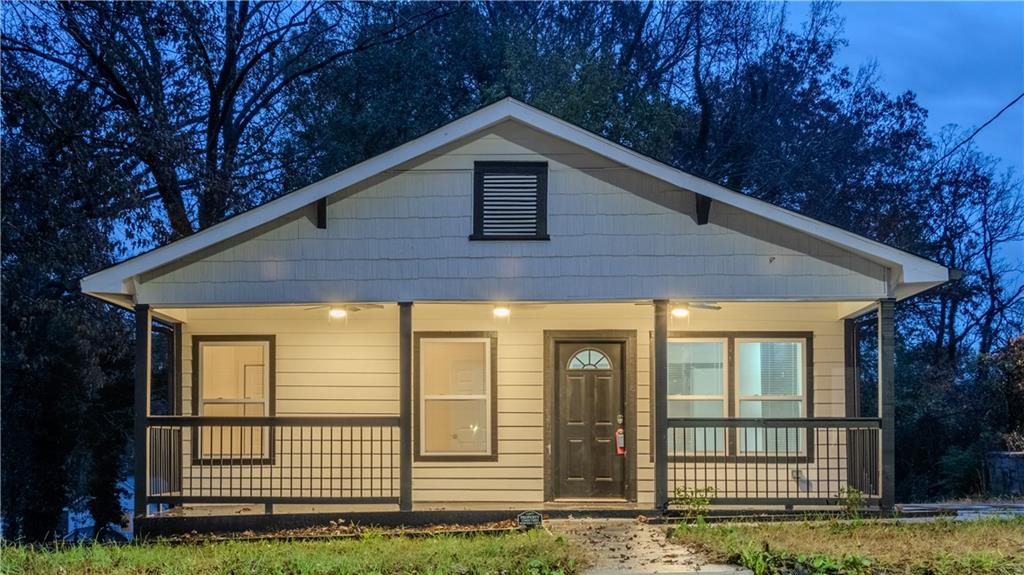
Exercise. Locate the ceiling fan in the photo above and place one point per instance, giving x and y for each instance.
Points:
(703, 305)
(682, 309)
(504, 310)
(342, 311)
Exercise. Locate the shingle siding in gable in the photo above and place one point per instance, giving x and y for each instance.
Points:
(406, 238)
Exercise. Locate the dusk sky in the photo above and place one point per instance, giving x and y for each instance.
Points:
(964, 60)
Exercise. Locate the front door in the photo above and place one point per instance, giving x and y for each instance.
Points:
(590, 406)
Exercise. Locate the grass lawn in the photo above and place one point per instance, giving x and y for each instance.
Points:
(535, 552)
(942, 547)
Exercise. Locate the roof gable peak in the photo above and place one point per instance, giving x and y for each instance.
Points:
(117, 279)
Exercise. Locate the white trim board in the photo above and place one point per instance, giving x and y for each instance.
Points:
(911, 274)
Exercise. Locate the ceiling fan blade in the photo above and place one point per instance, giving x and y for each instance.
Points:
(705, 305)
(314, 307)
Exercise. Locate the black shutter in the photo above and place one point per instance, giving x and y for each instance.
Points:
(510, 201)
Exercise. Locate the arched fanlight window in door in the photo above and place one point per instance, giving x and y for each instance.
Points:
(589, 358)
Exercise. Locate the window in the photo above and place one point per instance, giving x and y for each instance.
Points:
(456, 383)
(745, 375)
(770, 375)
(510, 201)
(233, 377)
(771, 385)
(589, 359)
(696, 389)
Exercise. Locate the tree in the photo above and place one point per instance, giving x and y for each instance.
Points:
(193, 90)
(66, 362)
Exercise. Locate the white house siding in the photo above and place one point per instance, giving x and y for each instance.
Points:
(615, 235)
(351, 368)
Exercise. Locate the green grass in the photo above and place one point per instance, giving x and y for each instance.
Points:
(942, 547)
(535, 552)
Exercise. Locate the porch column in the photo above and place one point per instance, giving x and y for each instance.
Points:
(660, 414)
(405, 400)
(887, 399)
(143, 371)
(850, 349)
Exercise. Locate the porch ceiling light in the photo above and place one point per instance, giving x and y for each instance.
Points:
(501, 311)
(680, 311)
(337, 313)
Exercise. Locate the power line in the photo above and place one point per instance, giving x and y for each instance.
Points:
(973, 134)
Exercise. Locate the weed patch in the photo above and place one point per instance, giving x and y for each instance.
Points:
(531, 553)
(865, 547)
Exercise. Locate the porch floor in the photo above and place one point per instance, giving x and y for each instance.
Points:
(210, 518)
(344, 509)
(556, 507)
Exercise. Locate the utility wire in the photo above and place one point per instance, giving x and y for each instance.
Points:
(973, 134)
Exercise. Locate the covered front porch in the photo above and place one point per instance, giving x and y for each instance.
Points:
(339, 414)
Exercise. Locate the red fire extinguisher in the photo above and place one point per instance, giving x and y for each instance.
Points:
(620, 442)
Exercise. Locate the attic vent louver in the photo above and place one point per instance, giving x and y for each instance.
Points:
(510, 201)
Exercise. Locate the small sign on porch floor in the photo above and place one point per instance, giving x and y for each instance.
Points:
(530, 519)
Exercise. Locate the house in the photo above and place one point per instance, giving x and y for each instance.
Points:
(511, 312)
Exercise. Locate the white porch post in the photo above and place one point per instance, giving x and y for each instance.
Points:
(887, 399)
(660, 403)
(143, 372)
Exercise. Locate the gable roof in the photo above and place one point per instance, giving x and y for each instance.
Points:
(912, 273)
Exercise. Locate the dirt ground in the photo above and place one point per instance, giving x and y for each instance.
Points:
(632, 546)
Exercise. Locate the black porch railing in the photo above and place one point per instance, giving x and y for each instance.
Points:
(273, 460)
(808, 461)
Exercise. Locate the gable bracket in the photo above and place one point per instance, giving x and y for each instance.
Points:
(703, 209)
(321, 213)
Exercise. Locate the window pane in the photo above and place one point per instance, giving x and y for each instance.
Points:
(695, 368)
(589, 359)
(455, 426)
(696, 441)
(770, 368)
(233, 371)
(695, 408)
(233, 441)
(774, 408)
(453, 367)
(782, 440)
(224, 409)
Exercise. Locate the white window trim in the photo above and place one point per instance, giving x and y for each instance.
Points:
(265, 402)
(802, 397)
(486, 395)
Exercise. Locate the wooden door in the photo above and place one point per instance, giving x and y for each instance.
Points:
(590, 407)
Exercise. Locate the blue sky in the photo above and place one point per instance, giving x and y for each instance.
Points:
(964, 60)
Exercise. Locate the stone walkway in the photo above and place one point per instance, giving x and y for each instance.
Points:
(626, 546)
